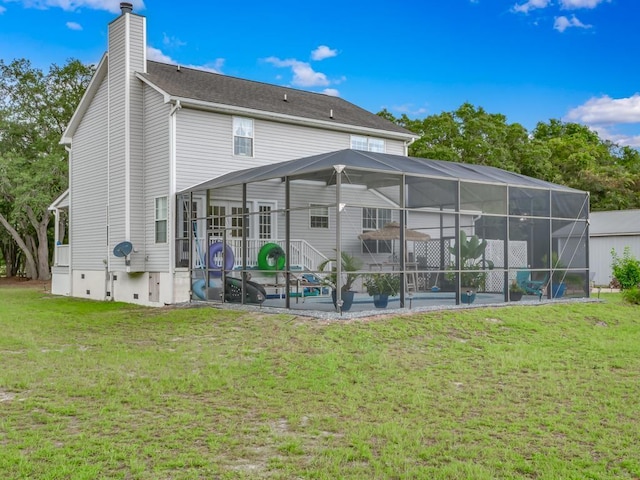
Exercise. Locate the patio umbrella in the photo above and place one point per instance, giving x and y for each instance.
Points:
(391, 231)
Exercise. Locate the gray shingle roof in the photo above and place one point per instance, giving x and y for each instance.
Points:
(373, 167)
(222, 89)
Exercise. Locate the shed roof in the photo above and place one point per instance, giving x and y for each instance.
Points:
(615, 222)
(369, 168)
(214, 88)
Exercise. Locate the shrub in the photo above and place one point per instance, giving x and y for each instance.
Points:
(626, 269)
(632, 295)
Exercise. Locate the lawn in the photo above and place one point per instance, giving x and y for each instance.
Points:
(105, 390)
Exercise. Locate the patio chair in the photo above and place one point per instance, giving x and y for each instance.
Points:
(532, 287)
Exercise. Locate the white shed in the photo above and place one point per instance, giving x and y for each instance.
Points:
(612, 230)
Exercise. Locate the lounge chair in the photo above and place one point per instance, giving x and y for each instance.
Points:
(532, 287)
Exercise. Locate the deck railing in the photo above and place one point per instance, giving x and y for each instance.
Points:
(301, 253)
(61, 256)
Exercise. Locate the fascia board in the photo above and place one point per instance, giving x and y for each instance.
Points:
(167, 97)
(280, 117)
(56, 203)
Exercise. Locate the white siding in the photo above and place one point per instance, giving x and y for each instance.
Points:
(600, 254)
(117, 132)
(137, 211)
(126, 153)
(304, 194)
(204, 147)
(156, 174)
(88, 233)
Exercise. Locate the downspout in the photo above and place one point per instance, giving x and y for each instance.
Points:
(172, 200)
(406, 146)
(69, 151)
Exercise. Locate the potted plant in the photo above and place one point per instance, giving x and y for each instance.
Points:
(558, 276)
(380, 286)
(471, 258)
(515, 291)
(350, 267)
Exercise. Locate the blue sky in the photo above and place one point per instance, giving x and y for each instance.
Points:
(532, 60)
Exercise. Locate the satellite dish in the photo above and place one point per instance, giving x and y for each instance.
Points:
(122, 249)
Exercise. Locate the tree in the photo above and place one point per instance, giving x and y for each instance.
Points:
(35, 108)
(579, 158)
(561, 152)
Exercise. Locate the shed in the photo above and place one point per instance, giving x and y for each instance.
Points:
(612, 230)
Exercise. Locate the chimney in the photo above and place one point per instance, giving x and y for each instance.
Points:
(126, 7)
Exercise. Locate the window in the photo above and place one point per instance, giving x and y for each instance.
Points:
(161, 220)
(367, 143)
(318, 216)
(237, 221)
(264, 221)
(243, 137)
(374, 219)
(218, 220)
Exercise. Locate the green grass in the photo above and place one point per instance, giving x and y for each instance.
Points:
(105, 390)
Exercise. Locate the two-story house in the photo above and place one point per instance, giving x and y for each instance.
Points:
(145, 130)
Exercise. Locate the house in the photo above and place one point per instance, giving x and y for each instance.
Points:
(145, 131)
(187, 185)
(612, 230)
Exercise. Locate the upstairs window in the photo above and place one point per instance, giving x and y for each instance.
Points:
(243, 137)
(367, 144)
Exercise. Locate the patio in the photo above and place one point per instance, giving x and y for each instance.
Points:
(275, 232)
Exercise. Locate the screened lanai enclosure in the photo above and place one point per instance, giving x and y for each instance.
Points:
(409, 232)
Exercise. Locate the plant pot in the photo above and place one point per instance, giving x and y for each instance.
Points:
(515, 296)
(467, 298)
(381, 301)
(557, 290)
(347, 299)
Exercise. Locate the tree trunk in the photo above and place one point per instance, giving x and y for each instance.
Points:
(30, 261)
(42, 247)
(10, 259)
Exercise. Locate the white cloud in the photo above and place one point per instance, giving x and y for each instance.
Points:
(562, 23)
(617, 138)
(303, 74)
(331, 92)
(606, 111)
(71, 5)
(2, 9)
(157, 56)
(214, 67)
(576, 4)
(172, 42)
(323, 52)
(530, 5)
(74, 26)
